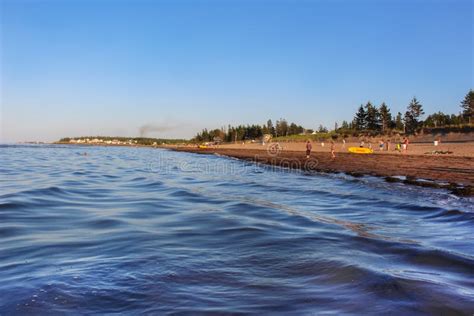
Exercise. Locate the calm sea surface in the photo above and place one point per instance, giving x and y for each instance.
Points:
(146, 231)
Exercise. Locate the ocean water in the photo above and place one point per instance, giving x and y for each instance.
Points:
(87, 230)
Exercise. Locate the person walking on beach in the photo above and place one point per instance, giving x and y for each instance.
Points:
(308, 148)
(333, 149)
(405, 144)
(381, 143)
(343, 143)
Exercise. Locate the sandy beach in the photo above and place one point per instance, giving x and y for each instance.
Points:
(459, 148)
(413, 167)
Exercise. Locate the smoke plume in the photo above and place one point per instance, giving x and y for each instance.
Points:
(147, 129)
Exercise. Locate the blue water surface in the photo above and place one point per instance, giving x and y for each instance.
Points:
(87, 230)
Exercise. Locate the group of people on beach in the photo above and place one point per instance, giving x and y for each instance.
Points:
(401, 146)
(384, 145)
(309, 147)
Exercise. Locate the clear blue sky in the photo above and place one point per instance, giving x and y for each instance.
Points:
(107, 67)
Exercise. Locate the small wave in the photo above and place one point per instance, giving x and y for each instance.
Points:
(11, 231)
(52, 190)
(453, 216)
(144, 184)
(185, 194)
(102, 223)
(13, 206)
(80, 173)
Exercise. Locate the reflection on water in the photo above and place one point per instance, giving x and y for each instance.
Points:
(135, 230)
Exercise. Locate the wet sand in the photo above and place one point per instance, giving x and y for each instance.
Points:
(448, 171)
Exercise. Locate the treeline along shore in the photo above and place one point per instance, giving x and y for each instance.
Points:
(368, 121)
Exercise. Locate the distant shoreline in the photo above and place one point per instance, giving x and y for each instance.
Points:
(111, 145)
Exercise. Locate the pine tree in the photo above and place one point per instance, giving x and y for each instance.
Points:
(385, 117)
(281, 127)
(265, 129)
(293, 129)
(467, 106)
(412, 116)
(360, 119)
(399, 122)
(409, 122)
(271, 128)
(373, 120)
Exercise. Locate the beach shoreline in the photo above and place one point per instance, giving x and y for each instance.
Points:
(454, 173)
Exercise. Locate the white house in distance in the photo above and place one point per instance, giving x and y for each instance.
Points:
(102, 141)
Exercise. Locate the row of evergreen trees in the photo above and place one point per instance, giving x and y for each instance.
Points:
(244, 132)
(373, 119)
(368, 118)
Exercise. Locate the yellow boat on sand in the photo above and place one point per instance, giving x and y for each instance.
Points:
(360, 150)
